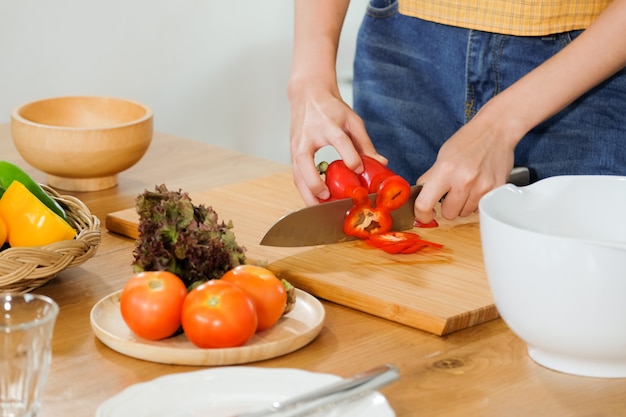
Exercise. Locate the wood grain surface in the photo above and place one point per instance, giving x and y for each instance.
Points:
(439, 291)
(481, 371)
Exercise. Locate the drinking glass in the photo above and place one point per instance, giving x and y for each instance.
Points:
(26, 327)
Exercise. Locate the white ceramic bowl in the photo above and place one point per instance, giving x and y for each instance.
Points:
(555, 256)
(82, 142)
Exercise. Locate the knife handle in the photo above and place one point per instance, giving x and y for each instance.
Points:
(520, 176)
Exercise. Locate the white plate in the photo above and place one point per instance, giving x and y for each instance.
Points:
(292, 332)
(222, 392)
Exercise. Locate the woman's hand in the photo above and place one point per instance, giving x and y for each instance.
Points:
(480, 155)
(318, 119)
(319, 116)
(476, 159)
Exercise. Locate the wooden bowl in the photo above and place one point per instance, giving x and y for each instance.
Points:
(82, 143)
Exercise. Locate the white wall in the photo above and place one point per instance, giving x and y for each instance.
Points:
(213, 71)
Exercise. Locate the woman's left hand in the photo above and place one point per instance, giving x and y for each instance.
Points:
(476, 159)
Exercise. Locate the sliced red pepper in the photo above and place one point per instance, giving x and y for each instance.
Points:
(430, 224)
(393, 192)
(373, 173)
(400, 248)
(365, 219)
(392, 247)
(414, 248)
(400, 242)
(362, 219)
(389, 238)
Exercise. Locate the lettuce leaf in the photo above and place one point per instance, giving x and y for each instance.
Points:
(187, 240)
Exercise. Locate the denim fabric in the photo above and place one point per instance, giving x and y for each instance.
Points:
(418, 82)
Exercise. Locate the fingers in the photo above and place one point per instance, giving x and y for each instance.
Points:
(309, 183)
(429, 196)
(362, 142)
(454, 203)
(345, 132)
(459, 195)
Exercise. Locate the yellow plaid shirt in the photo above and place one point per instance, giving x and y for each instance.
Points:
(511, 17)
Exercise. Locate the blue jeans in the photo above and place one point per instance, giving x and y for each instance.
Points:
(417, 82)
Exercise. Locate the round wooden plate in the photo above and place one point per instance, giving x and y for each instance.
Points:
(292, 332)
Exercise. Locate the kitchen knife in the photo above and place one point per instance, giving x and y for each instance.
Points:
(326, 397)
(322, 224)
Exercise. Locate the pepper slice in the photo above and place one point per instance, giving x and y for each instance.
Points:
(393, 192)
(400, 242)
(363, 219)
(429, 225)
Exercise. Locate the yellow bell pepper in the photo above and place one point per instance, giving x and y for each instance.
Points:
(10, 172)
(3, 232)
(30, 222)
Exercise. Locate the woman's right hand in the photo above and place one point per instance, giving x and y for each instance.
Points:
(321, 118)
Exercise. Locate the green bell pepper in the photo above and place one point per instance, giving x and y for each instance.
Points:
(10, 172)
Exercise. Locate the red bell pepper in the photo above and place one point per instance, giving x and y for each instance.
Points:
(393, 192)
(374, 173)
(400, 242)
(430, 224)
(368, 221)
(363, 219)
(340, 180)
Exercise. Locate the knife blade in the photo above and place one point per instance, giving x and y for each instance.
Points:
(322, 224)
(326, 397)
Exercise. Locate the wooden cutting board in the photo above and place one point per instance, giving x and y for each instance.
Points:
(438, 291)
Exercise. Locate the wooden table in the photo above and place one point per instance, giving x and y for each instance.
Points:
(481, 371)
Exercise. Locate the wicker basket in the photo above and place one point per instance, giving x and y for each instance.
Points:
(23, 269)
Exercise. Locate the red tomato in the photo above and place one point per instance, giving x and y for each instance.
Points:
(265, 289)
(151, 304)
(219, 314)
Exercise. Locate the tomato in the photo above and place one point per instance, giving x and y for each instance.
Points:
(393, 192)
(219, 314)
(30, 222)
(373, 173)
(266, 290)
(151, 304)
(340, 180)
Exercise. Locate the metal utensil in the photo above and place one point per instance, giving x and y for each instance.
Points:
(322, 224)
(346, 390)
